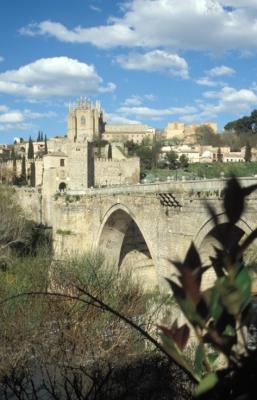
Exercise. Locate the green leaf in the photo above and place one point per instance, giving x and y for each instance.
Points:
(229, 331)
(172, 349)
(243, 281)
(206, 384)
(231, 295)
(199, 356)
(186, 306)
(212, 357)
(212, 298)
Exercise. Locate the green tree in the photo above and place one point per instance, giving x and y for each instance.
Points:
(38, 136)
(248, 152)
(183, 160)
(156, 148)
(109, 152)
(219, 155)
(46, 148)
(101, 125)
(172, 159)
(30, 149)
(146, 157)
(32, 174)
(246, 124)
(23, 171)
(131, 147)
(205, 136)
(13, 153)
(14, 171)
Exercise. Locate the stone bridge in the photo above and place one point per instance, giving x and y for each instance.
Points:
(142, 227)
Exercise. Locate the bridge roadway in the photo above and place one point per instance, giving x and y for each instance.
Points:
(142, 227)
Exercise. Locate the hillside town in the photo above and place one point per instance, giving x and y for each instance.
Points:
(103, 153)
(128, 200)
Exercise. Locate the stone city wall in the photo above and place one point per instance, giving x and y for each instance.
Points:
(29, 200)
(117, 172)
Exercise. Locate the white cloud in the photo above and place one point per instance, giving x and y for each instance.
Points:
(29, 114)
(19, 119)
(57, 76)
(150, 97)
(3, 108)
(21, 126)
(232, 100)
(109, 88)
(207, 25)
(213, 73)
(132, 101)
(11, 117)
(222, 70)
(228, 100)
(95, 8)
(118, 119)
(156, 60)
(239, 3)
(206, 81)
(137, 100)
(152, 113)
(100, 36)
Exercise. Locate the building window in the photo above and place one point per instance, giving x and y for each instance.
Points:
(62, 162)
(83, 120)
(62, 187)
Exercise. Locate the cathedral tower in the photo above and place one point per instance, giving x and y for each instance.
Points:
(83, 121)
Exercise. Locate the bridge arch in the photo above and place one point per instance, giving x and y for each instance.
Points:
(205, 240)
(122, 240)
(208, 225)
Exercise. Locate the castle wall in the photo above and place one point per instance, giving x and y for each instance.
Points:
(39, 172)
(29, 200)
(117, 172)
(78, 166)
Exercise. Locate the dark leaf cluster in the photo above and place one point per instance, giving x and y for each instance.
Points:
(219, 315)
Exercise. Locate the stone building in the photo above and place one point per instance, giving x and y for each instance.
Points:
(123, 133)
(185, 132)
(73, 162)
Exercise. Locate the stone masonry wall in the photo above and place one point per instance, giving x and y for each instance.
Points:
(29, 200)
(116, 172)
(169, 216)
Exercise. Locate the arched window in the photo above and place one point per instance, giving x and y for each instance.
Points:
(83, 120)
(62, 187)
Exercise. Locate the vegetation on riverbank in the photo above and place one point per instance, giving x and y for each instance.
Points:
(77, 328)
(203, 170)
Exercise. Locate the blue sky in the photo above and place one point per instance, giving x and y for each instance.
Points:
(147, 61)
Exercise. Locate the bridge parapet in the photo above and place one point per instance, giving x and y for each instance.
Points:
(205, 185)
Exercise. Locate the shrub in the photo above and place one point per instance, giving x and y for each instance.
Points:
(219, 315)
